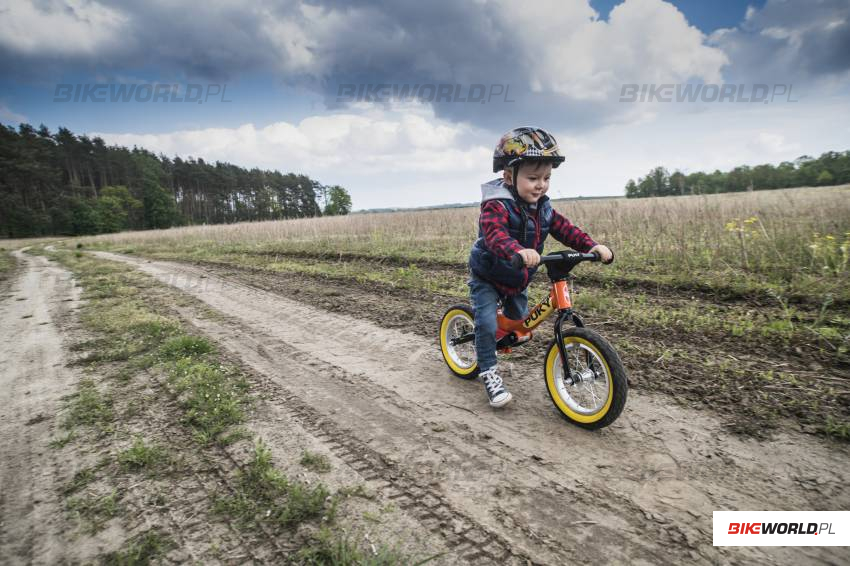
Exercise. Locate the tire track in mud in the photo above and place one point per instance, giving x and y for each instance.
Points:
(521, 477)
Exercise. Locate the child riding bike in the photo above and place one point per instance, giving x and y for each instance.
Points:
(515, 219)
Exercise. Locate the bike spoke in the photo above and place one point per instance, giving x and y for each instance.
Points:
(589, 391)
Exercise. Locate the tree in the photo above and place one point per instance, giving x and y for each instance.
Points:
(339, 201)
(114, 207)
(825, 178)
(84, 217)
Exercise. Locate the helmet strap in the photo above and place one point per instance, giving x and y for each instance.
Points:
(512, 186)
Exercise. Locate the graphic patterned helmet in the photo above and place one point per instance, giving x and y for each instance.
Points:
(526, 144)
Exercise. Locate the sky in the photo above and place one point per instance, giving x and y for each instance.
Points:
(402, 101)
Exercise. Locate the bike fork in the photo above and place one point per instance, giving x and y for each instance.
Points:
(559, 339)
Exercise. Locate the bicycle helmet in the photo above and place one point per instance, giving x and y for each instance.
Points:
(526, 144)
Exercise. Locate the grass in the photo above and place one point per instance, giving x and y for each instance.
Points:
(265, 495)
(141, 549)
(63, 440)
(7, 263)
(316, 462)
(81, 479)
(185, 346)
(142, 456)
(794, 241)
(94, 511)
(330, 548)
(781, 325)
(88, 406)
(213, 397)
(128, 329)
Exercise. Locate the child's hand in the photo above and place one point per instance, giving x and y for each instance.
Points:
(605, 254)
(530, 257)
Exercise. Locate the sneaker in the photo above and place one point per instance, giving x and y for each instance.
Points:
(499, 396)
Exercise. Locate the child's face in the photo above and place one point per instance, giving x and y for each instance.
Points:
(532, 180)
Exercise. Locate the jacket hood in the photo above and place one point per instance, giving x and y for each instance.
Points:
(497, 189)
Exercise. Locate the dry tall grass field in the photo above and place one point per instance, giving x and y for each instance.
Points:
(793, 241)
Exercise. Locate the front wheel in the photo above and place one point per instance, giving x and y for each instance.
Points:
(595, 393)
(457, 341)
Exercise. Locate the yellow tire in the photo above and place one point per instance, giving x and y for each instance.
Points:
(457, 342)
(595, 393)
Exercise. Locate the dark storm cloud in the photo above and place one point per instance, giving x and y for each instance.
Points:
(786, 41)
(329, 43)
(410, 43)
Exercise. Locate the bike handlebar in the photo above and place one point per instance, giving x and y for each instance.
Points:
(573, 258)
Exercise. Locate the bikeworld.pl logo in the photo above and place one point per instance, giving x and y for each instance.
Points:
(708, 92)
(781, 528)
(141, 92)
(426, 92)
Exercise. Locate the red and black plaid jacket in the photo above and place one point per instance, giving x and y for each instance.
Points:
(494, 225)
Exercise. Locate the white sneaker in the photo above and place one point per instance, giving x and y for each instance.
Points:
(496, 392)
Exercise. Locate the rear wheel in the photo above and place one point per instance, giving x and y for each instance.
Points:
(594, 394)
(457, 341)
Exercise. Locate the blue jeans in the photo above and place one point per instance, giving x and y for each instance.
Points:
(485, 300)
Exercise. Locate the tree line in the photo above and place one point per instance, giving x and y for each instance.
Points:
(831, 168)
(64, 184)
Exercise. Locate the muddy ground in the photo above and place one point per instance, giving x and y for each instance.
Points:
(353, 374)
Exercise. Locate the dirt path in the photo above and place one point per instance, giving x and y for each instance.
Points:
(520, 482)
(33, 378)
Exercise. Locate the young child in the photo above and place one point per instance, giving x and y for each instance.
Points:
(516, 217)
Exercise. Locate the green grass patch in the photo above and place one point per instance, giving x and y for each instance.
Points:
(264, 495)
(186, 346)
(213, 396)
(142, 456)
(141, 549)
(331, 548)
(89, 407)
(316, 462)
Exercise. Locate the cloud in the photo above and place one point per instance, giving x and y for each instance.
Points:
(564, 67)
(772, 143)
(790, 40)
(584, 58)
(406, 139)
(407, 156)
(8, 116)
(60, 28)
(562, 63)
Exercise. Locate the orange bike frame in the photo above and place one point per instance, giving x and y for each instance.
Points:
(558, 299)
